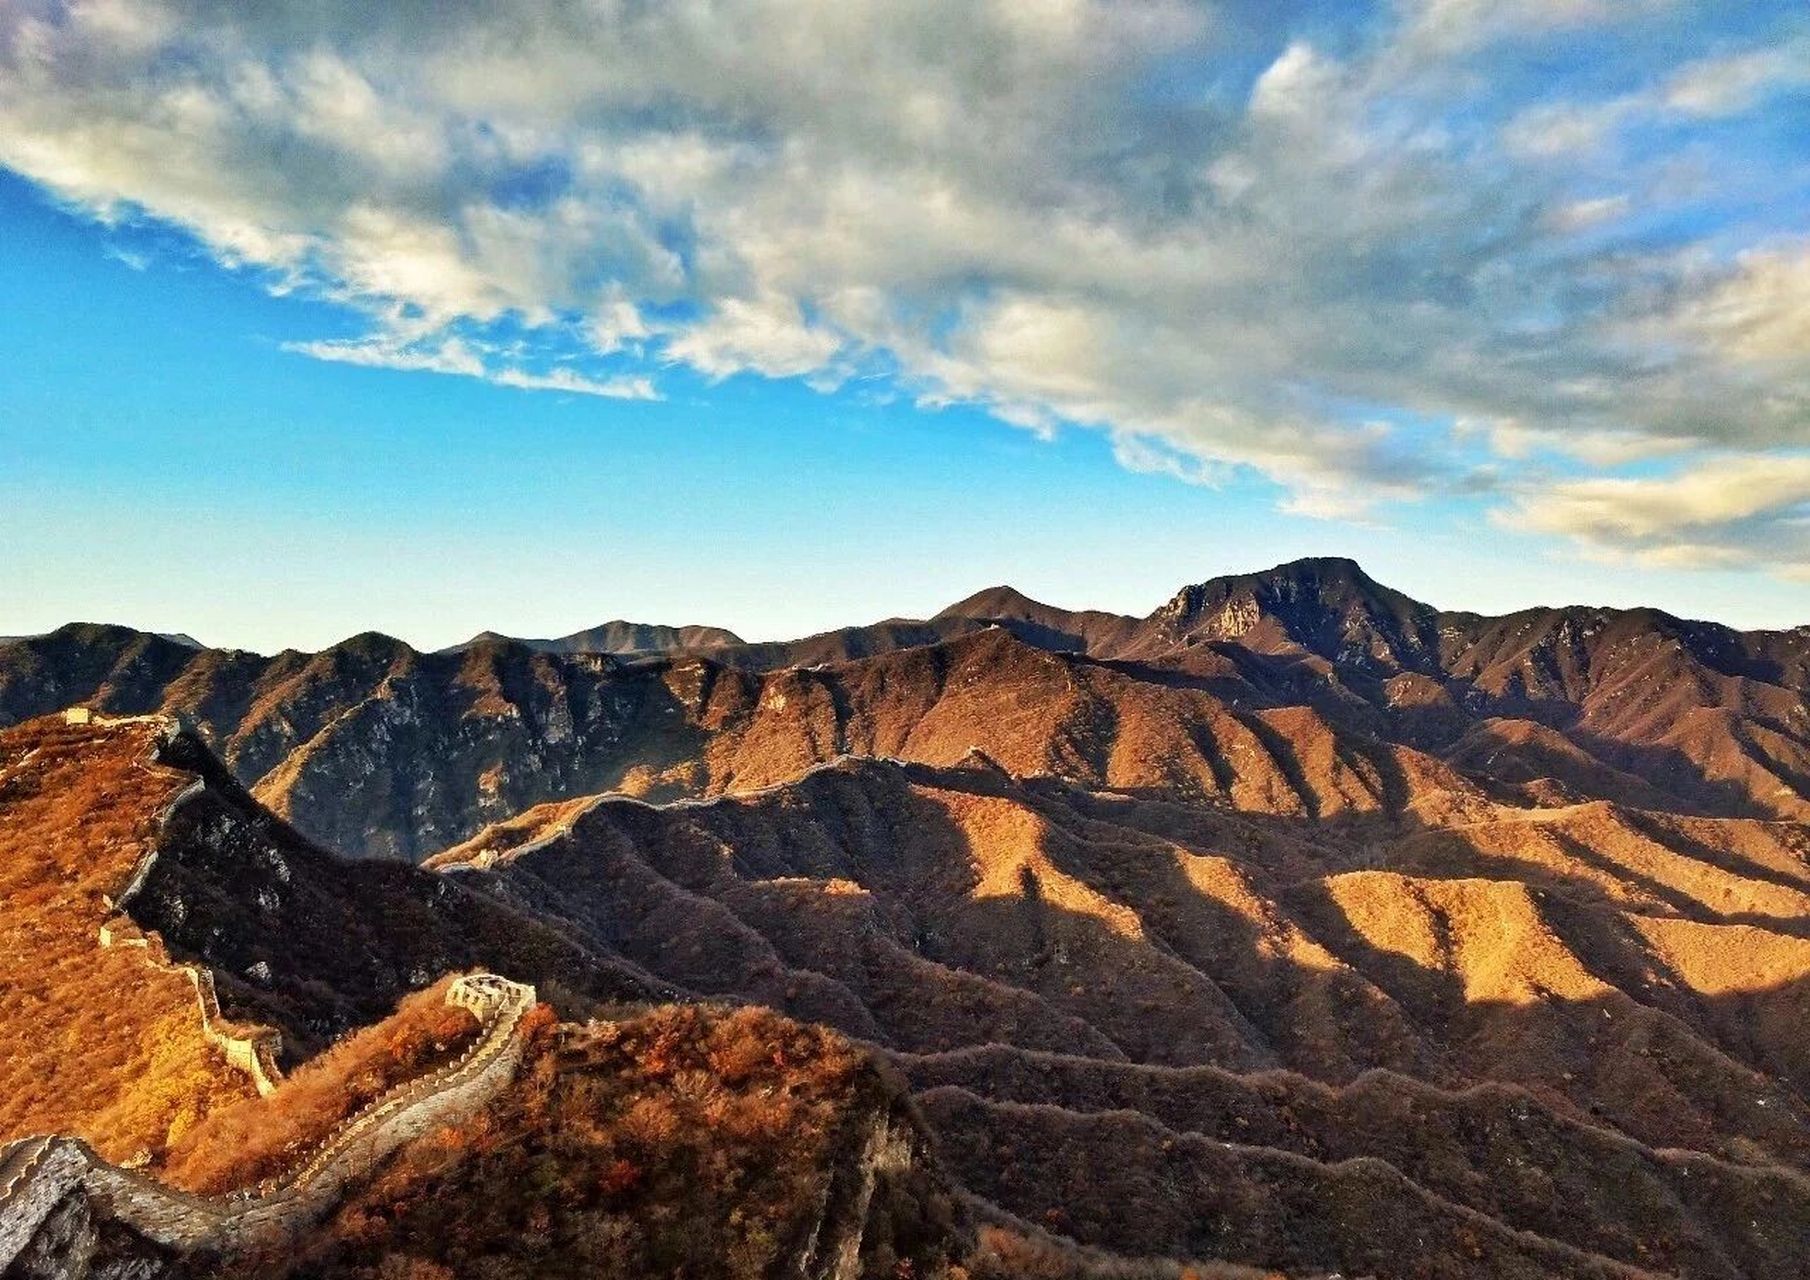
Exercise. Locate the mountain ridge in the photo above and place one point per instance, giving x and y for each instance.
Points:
(616, 636)
(1241, 688)
(999, 603)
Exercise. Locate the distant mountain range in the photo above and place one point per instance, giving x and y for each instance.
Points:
(376, 748)
(615, 637)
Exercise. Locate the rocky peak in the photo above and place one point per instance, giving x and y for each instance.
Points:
(1326, 605)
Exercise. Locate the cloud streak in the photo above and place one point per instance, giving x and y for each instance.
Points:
(1728, 512)
(440, 354)
(1356, 261)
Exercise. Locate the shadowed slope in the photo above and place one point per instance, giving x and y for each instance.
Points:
(1175, 935)
(1098, 989)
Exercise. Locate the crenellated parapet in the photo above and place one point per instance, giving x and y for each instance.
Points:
(38, 1174)
(254, 1051)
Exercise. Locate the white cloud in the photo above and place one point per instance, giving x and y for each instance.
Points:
(1723, 86)
(1515, 440)
(1566, 128)
(621, 388)
(1758, 313)
(1581, 215)
(1298, 84)
(448, 355)
(769, 336)
(1450, 26)
(440, 354)
(1722, 512)
(1070, 213)
(1710, 87)
(616, 322)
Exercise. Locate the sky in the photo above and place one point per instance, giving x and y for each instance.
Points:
(781, 315)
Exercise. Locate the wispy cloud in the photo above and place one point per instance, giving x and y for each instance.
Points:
(1707, 89)
(619, 388)
(1237, 240)
(457, 356)
(1720, 512)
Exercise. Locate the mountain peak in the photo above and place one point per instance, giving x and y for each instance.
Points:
(1002, 601)
(1321, 572)
(1044, 625)
(1327, 605)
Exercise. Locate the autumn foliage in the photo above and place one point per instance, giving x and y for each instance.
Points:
(259, 1138)
(103, 1043)
(686, 1141)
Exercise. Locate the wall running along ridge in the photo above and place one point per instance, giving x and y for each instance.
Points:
(37, 1174)
(256, 1050)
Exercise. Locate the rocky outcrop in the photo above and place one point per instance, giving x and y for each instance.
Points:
(833, 1251)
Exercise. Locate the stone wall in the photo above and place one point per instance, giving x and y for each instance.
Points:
(35, 1175)
(39, 1173)
(256, 1052)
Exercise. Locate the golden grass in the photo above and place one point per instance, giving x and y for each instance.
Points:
(96, 1042)
(257, 1138)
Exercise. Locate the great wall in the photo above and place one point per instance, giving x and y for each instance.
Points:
(63, 1205)
(255, 1051)
(39, 1174)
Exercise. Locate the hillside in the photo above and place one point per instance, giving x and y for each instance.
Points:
(103, 1040)
(1095, 979)
(654, 1136)
(671, 1141)
(1305, 689)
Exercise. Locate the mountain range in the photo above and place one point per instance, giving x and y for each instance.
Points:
(1306, 689)
(1299, 926)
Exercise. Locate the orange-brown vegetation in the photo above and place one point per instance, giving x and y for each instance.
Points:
(958, 907)
(1298, 925)
(259, 1138)
(1307, 691)
(685, 1141)
(103, 1043)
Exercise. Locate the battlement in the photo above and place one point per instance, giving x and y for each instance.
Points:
(37, 1174)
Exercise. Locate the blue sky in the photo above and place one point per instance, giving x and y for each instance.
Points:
(548, 313)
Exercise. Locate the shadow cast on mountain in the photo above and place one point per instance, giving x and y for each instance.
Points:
(934, 910)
